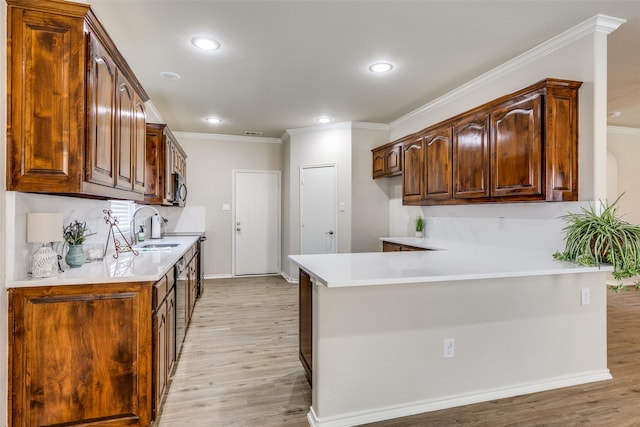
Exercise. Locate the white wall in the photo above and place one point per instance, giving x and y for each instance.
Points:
(574, 55)
(624, 146)
(210, 162)
(370, 197)
(330, 144)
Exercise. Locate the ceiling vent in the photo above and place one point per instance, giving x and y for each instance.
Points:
(251, 133)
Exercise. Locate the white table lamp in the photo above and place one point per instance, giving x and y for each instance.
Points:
(44, 228)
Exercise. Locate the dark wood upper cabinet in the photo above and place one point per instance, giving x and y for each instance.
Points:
(520, 147)
(471, 157)
(438, 164)
(101, 87)
(46, 93)
(387, 160)
(76, 107)
(413, 174)
(125, 128)
(561, 141)
(516, 147)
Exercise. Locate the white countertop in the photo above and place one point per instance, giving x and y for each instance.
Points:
(448, 261)
(146, 266)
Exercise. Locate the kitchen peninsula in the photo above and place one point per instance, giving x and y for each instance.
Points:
(391, 334)
(97, 344)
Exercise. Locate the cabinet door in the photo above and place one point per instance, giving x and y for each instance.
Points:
(393, 160)
(378, 163)
(125, 128)
(171, 331)
(391, 247)
(45, 117)
(561, 141)
(193, 283)
(160, 372)
(306, 324)
(516, 148)
(139, 146)
(154, 172)
(413, 173)
(81, 355)
(471, 157)
(169, 152)
(101, 86)
(438, 168)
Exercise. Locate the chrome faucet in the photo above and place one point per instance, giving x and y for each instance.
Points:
(132, 228)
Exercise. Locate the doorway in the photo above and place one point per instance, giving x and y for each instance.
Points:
(318, 231)
(256, 223)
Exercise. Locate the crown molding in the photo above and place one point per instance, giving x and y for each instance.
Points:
(598, 23)
(622, 130)
(234, 138)
(342, 125)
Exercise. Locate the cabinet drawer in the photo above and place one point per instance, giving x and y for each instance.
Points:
(159, 292)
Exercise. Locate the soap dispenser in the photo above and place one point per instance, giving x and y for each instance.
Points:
(141, 234)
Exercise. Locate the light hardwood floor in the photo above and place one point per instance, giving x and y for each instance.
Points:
(239, 367)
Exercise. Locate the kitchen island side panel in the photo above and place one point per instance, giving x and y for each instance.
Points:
(378, 350)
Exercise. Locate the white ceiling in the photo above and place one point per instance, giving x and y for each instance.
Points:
(283, 63)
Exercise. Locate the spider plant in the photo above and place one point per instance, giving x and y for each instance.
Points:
(419, 224)
(594, 238)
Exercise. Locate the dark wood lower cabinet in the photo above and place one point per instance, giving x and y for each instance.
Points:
(397, 247)
(80, 355)
(306, 324)
(164, 338)
(88, 355)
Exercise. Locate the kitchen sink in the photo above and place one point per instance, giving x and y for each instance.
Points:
(156, 246)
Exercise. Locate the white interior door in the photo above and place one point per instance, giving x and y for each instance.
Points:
(318, 233)
(256, 225)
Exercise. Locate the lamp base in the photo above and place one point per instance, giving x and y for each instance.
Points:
(44, 262)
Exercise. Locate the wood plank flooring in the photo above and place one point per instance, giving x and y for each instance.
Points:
(239, 367)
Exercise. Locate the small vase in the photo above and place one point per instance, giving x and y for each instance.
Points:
(419, 234)
(75, 256)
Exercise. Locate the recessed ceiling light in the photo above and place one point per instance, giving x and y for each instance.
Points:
(170, 75)
(324, 119)
(380, 67)
(615, 114)
(213, 120)
(205, 43)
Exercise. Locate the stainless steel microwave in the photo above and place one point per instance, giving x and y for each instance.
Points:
(179, 190)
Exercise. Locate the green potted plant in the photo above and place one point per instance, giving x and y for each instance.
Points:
(593, 238)
(419, 227)
(74, 236)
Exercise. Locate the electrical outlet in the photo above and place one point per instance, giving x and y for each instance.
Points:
(449, 348)
(585, 296)
(501, 222)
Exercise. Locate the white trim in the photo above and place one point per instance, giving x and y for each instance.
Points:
(390, 412)
(624, 130)
(341, 125)
(150, 106)
(217, 276)
(288, 278)
(219, 136)
(602, 23)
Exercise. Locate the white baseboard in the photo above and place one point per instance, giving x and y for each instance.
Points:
(414, 408)
(288, 278)
(217, 276)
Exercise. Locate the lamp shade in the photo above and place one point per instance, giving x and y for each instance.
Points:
(44, 227)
